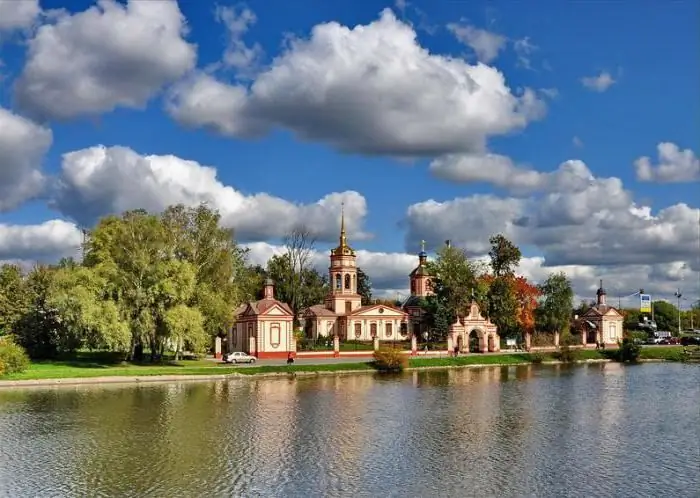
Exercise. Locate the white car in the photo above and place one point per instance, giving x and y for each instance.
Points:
(239, 357)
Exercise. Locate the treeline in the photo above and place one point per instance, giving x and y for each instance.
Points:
(515, 305)
(148, 284)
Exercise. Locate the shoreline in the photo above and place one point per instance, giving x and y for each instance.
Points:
(161, 379)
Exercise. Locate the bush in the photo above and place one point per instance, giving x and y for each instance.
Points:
(13, 358)
(390, 360)
(536, 357)
(629, 351)
(566, 353)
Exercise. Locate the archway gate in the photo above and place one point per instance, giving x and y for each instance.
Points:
(473, 333)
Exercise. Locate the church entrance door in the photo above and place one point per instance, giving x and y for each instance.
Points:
(474, 341)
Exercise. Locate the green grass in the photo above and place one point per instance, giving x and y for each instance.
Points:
(85, 366)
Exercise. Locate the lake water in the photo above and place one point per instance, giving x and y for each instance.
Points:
(598, 430)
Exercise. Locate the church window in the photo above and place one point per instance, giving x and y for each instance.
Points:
(354, 284)
(404, 329)
(429, 284)
(347, 282)
(413, 286)
(338, 281)
(250, 330)
(389, 330)
(373, 330)
(613, 331)
(358, 330)
(275, 335)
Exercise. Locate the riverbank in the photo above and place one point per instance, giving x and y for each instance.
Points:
(87, 372)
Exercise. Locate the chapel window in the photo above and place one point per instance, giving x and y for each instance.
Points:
(347, 282)
(338, 281)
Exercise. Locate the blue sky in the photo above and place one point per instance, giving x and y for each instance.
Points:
(648, 49)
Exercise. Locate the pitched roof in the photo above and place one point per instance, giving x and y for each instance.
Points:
(362, 309)
(261, 306)
(319, 310)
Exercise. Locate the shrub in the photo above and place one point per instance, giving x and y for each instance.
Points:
(629, 351)
(536, 357)
(566, 353)
(390, 360)
(13, 358)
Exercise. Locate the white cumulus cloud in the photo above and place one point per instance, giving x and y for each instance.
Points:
(675, 165)
(101, 180)
(599, 83)
(370, 89)
(107, 56)
(485, 44)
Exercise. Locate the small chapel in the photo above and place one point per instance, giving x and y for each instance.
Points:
(601, 323)
(342, 313)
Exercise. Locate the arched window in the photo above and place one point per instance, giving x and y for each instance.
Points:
(358, 330)
(373, 330)
(354, 284)
(338, 281)
(389, 331)
(275, 335)
(413, 286)
(347, 281)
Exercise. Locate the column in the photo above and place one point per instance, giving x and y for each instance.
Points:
(450, 344)
(528, 341)
(556, 339)
(217, 347)
(414, 345)
(376, 342)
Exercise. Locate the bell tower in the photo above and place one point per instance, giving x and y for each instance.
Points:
(420, 280)
(343, 297)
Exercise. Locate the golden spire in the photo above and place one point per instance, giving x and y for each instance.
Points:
(343, 237)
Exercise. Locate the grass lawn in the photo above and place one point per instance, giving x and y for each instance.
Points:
(85, 366)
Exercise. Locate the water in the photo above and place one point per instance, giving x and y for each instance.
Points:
(599, 430)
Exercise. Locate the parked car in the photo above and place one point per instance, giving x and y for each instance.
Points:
(690, 340)
(239, 357)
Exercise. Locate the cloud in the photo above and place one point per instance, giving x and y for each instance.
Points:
(101, 180)
(371, 89)
(599, 83)
(485, 44)
(500, 171)
(17, 15)
(577, 142)
(524, 49)
(107, 56)
(47, 242)
(594, 222)
(675, 165)
(238, 55)
(23, 145)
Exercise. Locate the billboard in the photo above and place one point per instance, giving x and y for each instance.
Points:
(645, 303)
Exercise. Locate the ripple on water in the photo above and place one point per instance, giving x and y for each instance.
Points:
(586, 431)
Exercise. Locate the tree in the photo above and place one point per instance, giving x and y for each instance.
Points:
(14, 300)
(665, 315)
(40, 330)
(505, 256)
(89, 317)
(455, 281)
(364, 287)
(526, 295)
(300, 245)
(556, 304)
(313, 287)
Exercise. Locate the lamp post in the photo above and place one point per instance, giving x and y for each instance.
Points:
(679, 295)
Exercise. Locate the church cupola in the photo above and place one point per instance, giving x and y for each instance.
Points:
(601, 294)
(343, 247)
(269, 290)
(420, 279)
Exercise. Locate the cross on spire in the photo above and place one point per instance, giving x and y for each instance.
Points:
(422, 246)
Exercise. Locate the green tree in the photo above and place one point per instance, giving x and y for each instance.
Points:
(14, 299)
(40, 330)
(313, 286)
(554, 311)
(364, 287)
(665, 316)
(505, 256)
(89, 317)
(299, 244)
(456, 281)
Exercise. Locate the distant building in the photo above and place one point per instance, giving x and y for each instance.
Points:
(601, 323)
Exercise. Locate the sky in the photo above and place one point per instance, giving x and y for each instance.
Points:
(572, 129)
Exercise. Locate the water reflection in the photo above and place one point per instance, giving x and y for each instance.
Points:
(596, 430)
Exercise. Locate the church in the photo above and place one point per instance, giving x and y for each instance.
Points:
(342, 313)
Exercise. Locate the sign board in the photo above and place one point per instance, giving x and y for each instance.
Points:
(511, 342)
(645, 303)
